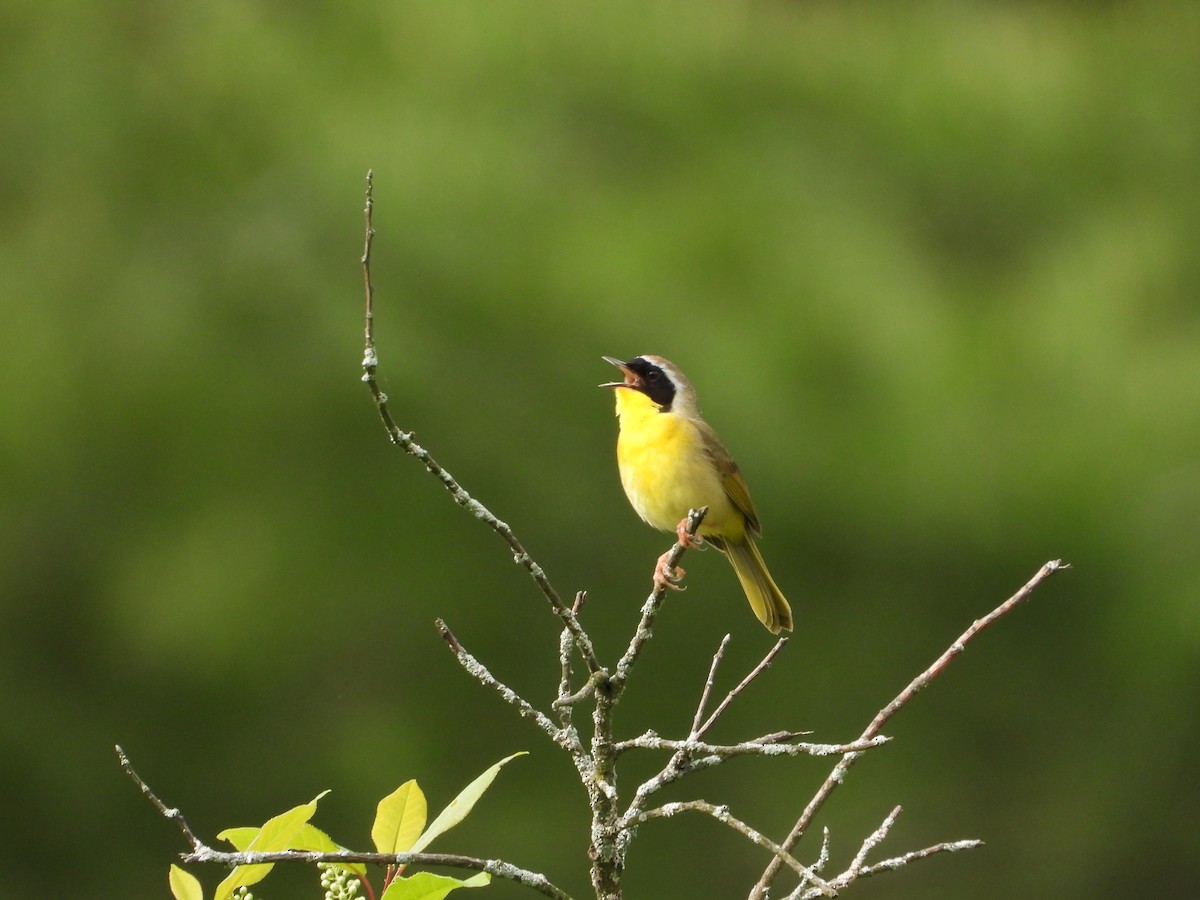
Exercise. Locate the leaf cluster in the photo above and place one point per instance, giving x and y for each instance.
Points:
(399, 828)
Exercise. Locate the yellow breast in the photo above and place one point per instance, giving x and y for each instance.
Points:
(666, 469)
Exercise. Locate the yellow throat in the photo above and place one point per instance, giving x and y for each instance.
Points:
(665, 468)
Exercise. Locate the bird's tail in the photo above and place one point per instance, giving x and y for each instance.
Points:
(764, 595)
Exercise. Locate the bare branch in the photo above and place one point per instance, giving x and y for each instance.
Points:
(873, 840)
(169, 812)
(565, 702)
(745, 682)
(404, 440)
(565, 644)
(708, 686)
(692, 755)
(896, 862)
(650, 608)
(887, 865)
(567, 738)
(768, 745)
(722, 815)
(695, 756)
(939, 665)
(820, 864)
(495, 867)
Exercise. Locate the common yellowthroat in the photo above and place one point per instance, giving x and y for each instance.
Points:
(671, 461)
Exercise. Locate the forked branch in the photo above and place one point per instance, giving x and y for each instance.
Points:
(938, 666)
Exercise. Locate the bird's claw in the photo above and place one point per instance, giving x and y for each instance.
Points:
(693, 541)
(668, 577)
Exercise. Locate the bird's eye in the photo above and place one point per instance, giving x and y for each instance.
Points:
(653, 375)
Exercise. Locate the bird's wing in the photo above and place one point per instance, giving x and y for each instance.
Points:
(731, 477)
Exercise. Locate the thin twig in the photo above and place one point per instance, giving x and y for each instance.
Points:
(168, 812)
(745, 682)
(939, 665)
(565, 644)
(566, 701)
(566, 698)
(695, 756)
(692, 755)
(566, 738)
(873, 840)
(760, 747)
(404, 440)
(495, 867)
(722, 815)
(708, 686)
(369, 360)
(650, 608)
(819, 865)
(887, 865)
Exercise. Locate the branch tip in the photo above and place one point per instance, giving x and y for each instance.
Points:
(448, 635)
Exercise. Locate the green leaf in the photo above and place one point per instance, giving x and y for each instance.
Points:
(313, 838)
(184, 885)
(310, 837)
(277, 833)
(239, 837)
(427, 886)
(399, 819)
(458, 808)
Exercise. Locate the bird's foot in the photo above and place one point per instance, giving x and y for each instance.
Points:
(667, 577)
(688, 539)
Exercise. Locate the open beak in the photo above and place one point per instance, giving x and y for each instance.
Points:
(630, 376)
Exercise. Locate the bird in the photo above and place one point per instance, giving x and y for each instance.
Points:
(671, 461)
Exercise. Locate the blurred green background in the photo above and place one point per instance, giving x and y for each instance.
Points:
(932, 267)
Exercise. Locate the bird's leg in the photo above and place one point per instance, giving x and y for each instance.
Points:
(687, 538)
(666, 577)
